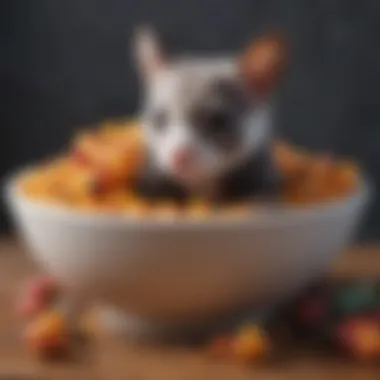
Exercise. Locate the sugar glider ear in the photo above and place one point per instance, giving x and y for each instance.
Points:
(148, 51)
(262, 64)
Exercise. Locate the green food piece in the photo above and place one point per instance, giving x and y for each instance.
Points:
(357, 298)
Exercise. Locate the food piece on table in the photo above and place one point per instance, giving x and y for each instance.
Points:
(360, 337)
(251, 344)
(48, 335)
(358, 297)
(312, 311)
(38, 295)
(309, 317)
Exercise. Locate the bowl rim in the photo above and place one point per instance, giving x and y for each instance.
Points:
(287, 214)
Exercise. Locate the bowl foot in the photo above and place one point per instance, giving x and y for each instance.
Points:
(134, 328)
(123, 325)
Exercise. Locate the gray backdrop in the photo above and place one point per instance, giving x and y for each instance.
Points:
(65, 63)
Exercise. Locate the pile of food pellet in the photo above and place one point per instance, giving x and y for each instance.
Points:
(342, 319)
(98, 172)
(50, 331)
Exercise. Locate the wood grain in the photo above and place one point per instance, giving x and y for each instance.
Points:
(111, 358)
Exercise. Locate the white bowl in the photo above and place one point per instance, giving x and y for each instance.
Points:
(186, 271)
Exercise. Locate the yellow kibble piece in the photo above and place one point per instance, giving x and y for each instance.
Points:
(48, 334)
(251, 344)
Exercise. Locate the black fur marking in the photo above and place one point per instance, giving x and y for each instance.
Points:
(154, 186)
(256, 179)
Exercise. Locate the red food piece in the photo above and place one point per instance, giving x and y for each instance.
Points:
(312, 311)
(101, 182)
(44, 287)
(360, 337)
(80, 157)
(39, 293)
(28, 308)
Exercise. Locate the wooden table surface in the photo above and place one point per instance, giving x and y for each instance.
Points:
(109, 358)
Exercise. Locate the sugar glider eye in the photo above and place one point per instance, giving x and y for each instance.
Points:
(217, 126)
(217, 121)
(159, 119)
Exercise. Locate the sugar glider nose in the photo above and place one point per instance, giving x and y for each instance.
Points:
(183, 159)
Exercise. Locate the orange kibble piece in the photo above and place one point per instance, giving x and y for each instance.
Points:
(317, 181)
(289, 161)
(367, 344)
(347, 178)
(251, 344)
(361, 338)
(312, 185)
(48, 334)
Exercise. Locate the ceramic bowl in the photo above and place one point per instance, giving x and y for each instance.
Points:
(174, 273)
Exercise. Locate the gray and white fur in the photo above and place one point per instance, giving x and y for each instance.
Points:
(208, 133)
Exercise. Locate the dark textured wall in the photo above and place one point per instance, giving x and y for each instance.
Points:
(65, 63)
